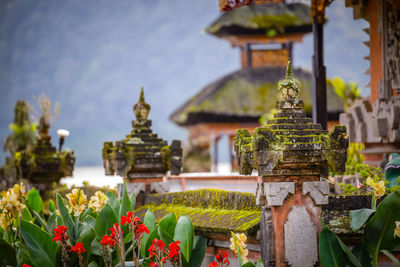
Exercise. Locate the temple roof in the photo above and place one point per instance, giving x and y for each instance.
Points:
(245, 95)
(265, 19)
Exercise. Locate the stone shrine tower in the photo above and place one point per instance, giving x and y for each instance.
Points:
(142, 158)
(291, 153)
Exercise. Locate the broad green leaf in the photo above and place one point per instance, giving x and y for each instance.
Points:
(198, 252)
(7, 254)
(51, 222)
(125, 203)
(91, 221)
(379, 231)
(391, 257)
(359, 217)
(361, 253)
(167, 228)
(248, 264)
(184, 232)
(26, 215)
(240, 260)
(41, 247)
(88, 212)
(86, 239)
(260, 263)
(23, 256)
(105, 221)
(113, 202)
(35, 202)
(93, 264)
(150, 221)
(333, 252)
(132, 198)
(66, 218)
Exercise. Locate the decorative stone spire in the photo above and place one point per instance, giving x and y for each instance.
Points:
(141, 108)
(289, 88)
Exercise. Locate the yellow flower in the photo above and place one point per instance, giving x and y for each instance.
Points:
(98, 201)
(397, 229)
(77, 201)
(239, 241)
(379, 189)
(369, 181)
(11, 205)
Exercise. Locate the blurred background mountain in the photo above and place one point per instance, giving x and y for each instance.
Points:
(92, 57)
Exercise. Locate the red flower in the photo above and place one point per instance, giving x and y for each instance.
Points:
(116, 227)
(25, 265)
(174, 250)
(213, 264)
(141, 229)
(221, 256)
(157, 248)
(107, 241)
(153, 264)
(127, 219)
(78, 248)
(59, 233)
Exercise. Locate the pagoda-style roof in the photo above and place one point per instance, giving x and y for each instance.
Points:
(211, 211)
(266, 19)
(245, 95)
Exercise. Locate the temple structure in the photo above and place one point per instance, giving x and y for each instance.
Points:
(291, 153)
(265, 35)
(142, 158)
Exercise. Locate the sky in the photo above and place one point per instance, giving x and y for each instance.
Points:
(92, 57)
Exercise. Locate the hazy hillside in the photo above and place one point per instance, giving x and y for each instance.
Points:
(92, 56)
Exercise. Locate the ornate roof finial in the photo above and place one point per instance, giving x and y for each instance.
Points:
(289, 88)
(141, 108)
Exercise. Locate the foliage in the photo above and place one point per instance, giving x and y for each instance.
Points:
(349, 92)
(354, 159)
(102, 233)
(381, 235)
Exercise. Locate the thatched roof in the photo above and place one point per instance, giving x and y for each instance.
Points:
(245, 95)
(266, 19)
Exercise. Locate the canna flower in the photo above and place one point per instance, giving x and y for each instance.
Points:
(369, 181)
(11, 205)
(239, 241)
(127, 219)
(98, 201)
(78, 248)
(174, 252)
(140, 230)
(25, 265)
(107, 241)
(213, 264)
(154, 264)
(379, 189)
(77, 201)
(397, 229)
(60, 234)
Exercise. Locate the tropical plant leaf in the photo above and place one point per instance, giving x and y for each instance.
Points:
(35, 202)
(113, 201)
(333, 252)
(167, 228)
(248, 264)
(391, 257)
(198, 252)
(153, 235)
(66, 218)
(359, 217)
(93, 264)
(105, 221)
(42, 222)
(41, 247)
(132, 198)
(7, 254)
(52, 208)
(184, 232)
(361, 253)
(379, 231)
(125, 202)
(150, 221)
(260, 263)
(86, 239)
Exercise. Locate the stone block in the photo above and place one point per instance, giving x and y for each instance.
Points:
(267, 237)
(301, 248)
(130, 188)
(319, 191)
(159, 187)
(276, 193)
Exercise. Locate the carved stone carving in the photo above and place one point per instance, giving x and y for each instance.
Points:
(318, 191)
(130, 188)
(301, 249)
(159, 187)
(276, 193)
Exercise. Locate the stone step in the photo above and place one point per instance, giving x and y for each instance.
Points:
(307, 126)
(293, 121)
(290, 114)
(299, 133)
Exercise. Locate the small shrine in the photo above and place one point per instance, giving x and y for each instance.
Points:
(291, 153)
(43, 164)
(142, 158)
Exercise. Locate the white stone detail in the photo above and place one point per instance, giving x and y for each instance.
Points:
(301, 249)
(159, 187)
(131, 187)
(276, 193)
(318, 191)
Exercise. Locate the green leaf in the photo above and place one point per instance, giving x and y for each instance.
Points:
(86, 239)
(35, 202)
(333, 252)
(41, 248)
(199, 251)
(125, 203)
(105, 221)
(87, 212)
(113, 201)
(7, 254)
(361, 253)
(240, 260)
(150, 221)
(132, 198)
(93, 264)
(91, 221)
(391, 257)
(26, 215)
(52, 208)
(379, 231)
(184, 232)
(359, 217)
(23, 256)
(42, 222)
(66, 218)
(167, 228)
(248, 264)
(260, 263)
